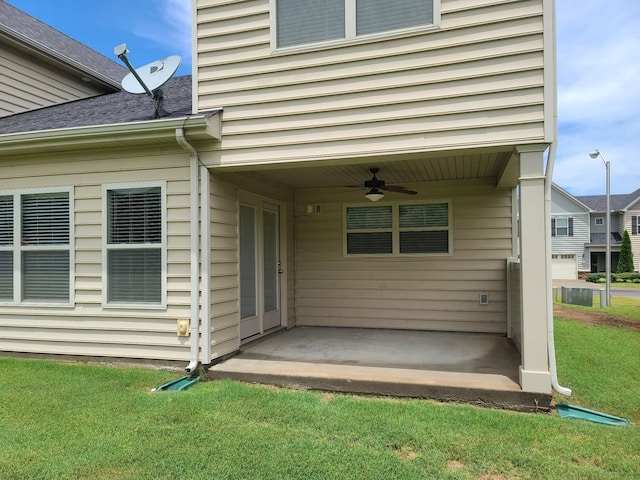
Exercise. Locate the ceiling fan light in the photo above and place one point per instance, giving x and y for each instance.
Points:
(374, 194)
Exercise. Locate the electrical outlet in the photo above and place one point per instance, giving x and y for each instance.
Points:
(183, 327)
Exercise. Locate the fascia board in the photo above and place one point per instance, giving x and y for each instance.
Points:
(201, 127)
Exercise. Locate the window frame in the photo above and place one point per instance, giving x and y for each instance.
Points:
(566, 219)
(351, 36)
(17, 248)
(599, 221)
(106, 247)
(396, 229)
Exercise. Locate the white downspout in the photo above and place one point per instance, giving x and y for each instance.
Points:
(194, 225)
(551, 348)
(551, 100)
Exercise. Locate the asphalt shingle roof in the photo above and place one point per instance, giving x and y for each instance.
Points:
(617, 202)
(27, 29)
(601, 238)
(111, 108)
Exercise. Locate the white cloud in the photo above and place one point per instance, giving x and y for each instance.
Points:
(171, 28)
(598, 95)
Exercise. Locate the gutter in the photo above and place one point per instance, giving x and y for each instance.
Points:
(195, 271)
(552, 101)
(203, 126)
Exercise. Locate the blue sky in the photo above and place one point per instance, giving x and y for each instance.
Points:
(598, 71)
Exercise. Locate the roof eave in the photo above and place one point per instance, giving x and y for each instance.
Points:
(61, 60)
(198, 127)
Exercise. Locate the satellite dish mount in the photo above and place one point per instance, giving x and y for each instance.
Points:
(149, 78)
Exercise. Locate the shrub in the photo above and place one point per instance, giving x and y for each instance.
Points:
(625, 261)
(628, 277)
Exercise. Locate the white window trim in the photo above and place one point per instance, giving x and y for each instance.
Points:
(395, 228)
(17, 248)
(564, 227)
(350, 30)
(163, 246)
(599, 221)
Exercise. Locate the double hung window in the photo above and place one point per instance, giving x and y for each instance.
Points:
(300, 22)
(562, 227)
(35, 247)
(134, 251)
(398, 229)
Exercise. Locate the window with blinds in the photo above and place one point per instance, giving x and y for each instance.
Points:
(35, 246)
(398, 229)
(300, 22)
(6, 248)
(134, 245)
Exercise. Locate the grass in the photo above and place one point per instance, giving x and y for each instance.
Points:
(620, 306)
(78, 421)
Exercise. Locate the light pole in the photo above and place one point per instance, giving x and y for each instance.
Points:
(607, 165)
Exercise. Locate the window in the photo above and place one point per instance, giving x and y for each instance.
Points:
(134, 252)
(300, 22)
(635, 225)
(562, 227)
(398, 229)
(599, 221)
(35, 247)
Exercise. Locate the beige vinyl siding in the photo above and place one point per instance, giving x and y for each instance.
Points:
(27, 83)
(223, 281)
(225, 191)
(635, 239)
(407, 292)
(475, 81)
(87, 328)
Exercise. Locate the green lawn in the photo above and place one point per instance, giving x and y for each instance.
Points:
(77, 421)
(620, 306)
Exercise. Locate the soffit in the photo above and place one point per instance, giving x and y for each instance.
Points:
(470, 166)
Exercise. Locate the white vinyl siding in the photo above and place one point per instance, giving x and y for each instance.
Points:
(35, 247)
(307, 22)
(134, 248)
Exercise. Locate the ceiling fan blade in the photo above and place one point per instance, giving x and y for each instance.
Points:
(399, 189)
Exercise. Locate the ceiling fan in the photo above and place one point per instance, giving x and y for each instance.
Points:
(376, 187)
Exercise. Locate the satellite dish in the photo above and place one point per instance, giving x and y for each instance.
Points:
(150, 78)
(153, 75)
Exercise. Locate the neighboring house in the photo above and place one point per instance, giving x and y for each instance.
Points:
(180, 238)
(578, 229)
(41, 66)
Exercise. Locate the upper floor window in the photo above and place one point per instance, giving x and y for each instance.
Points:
(562, 227)
(599, 221)
(35, 247)
(398, 229)
(134, 251)
(635, 225)
(301, 22)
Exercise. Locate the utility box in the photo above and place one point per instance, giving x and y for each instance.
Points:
(577, 296)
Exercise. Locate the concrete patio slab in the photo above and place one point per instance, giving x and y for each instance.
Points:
(450, 366)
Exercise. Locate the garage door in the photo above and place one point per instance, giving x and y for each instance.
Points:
(564, 267)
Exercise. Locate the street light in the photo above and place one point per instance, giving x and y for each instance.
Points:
(607, 165)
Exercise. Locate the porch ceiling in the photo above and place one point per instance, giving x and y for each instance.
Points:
(468, 166)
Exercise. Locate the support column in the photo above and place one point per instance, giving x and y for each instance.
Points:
(534, 370)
